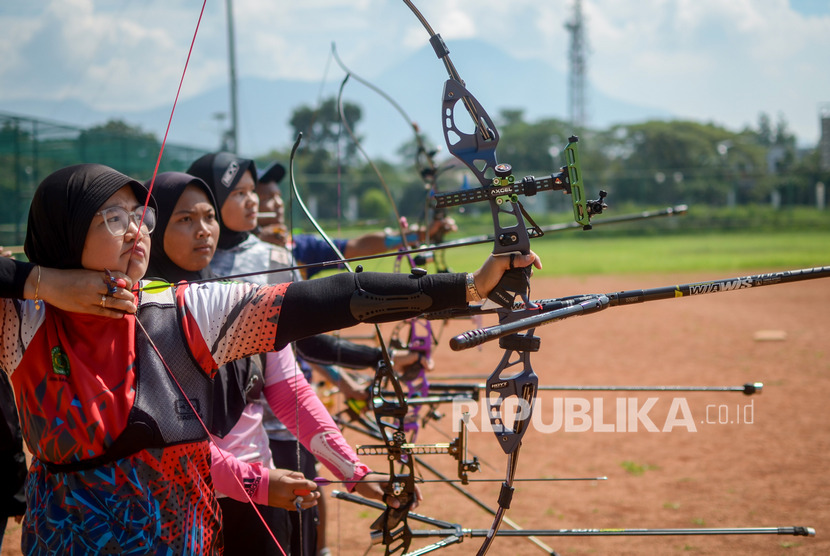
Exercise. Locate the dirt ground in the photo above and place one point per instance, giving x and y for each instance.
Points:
(716, 459)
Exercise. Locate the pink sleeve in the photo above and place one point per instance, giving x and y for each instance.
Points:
(317, 430)
(230, 474)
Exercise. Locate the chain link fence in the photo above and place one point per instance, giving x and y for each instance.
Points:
(31, 149)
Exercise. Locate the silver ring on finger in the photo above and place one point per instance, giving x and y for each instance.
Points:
(104, 301)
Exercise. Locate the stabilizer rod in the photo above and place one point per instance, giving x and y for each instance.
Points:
(748, 389)
(552, 310)
(450, 529)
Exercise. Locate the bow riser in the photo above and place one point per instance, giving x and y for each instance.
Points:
(521, 389)
(476, 150)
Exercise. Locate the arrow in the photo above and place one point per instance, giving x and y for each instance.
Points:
(748, 389)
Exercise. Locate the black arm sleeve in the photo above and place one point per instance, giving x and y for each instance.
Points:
(13, 274)
(315, 306)
(330, 350)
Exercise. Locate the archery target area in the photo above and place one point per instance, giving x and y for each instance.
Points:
(716, 460)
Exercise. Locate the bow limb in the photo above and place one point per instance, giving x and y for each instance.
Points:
(415, 130)
(522, 387)
(428, 170)
(345, 123)
(304, 208)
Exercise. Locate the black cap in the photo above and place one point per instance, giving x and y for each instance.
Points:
(274, 173)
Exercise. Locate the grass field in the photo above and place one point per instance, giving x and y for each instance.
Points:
(598, 252)
(595, 253)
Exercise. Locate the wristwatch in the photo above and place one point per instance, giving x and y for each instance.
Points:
(471, 288)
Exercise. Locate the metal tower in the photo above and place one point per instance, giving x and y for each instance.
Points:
(577, 55)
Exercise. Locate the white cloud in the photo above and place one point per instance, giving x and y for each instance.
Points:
(701, 59)
(713, 60)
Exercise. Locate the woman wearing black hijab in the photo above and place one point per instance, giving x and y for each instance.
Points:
(120, 462)
(232, 180)
(186, 236)
(187, 208)
(194, 263)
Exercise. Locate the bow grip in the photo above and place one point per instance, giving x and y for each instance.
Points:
(514, 282)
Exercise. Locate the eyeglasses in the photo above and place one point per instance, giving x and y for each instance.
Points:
(117, 219)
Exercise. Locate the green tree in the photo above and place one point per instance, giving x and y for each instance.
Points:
(322, 130)
(765, 133)
(120, 145)
(327, 155)
(374, 204)
(681, 161)
(531, 147)
(118, 128)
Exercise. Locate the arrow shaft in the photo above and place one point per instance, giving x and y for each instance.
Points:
(461, 389)
(793, 531)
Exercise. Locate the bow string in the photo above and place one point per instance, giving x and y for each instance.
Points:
(389, 414)
(138, 322)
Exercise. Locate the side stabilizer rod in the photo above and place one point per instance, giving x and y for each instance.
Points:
(447, 529)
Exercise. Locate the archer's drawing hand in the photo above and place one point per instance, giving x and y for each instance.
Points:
(488, 276)
(82, 291)
(289, 490)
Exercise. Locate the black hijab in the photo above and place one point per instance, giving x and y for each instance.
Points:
(63, 207)
(222, 171)
(167, 190)
(232, 381)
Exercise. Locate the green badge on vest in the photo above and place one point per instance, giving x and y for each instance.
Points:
(60, 362)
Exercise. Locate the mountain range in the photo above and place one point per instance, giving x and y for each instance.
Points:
(496, 79)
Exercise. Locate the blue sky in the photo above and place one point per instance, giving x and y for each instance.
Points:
(707, 60)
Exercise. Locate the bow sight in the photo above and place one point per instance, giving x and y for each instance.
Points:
(504, 188)
(503, 191)
(477, 150)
